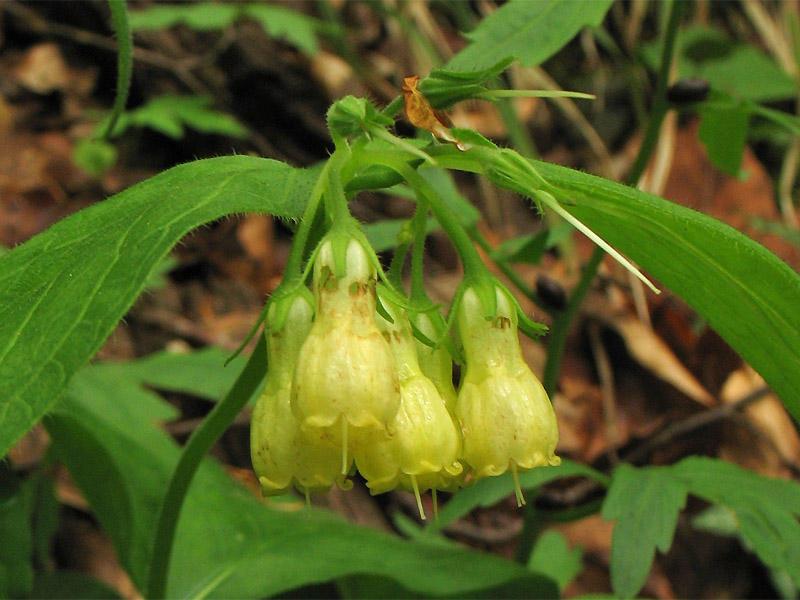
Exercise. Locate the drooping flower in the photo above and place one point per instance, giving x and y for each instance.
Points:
(506, 418)
(436, 362)
(422, 452)
(345, 384)
(282, 455)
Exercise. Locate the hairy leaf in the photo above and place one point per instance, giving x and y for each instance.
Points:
(62, 292)
(745, 292)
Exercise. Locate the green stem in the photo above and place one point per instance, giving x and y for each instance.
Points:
(470, 259)
(119, 19)
(660, 104)
(518, 133)
(294, 264)
(196, 448)
(531, 524)
(419, 227)
(394, 107)
(338, 199)
(506, 269)
(558, 335)
(395, 272)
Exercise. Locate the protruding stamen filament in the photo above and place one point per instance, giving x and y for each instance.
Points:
(435, 505)
(517, 488)
(416, 493)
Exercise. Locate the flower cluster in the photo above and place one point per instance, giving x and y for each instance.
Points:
(352, 387)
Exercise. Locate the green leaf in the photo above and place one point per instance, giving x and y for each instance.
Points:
(94, 156)
(60, 585)
(382, 235)
(277, 22)
(552, 557)
(158, 278)
(489, 491)
(16, 550)
(529, 31)
(201, 373)
(645, 504)
(723, 131)
(529, 249)
(765, 509)
(746, 293)
(62, 292)
(443, 183)
(789, 234)
(169, 114)
(284, 24)
(729, 66)
(202, 16)
(230, 543)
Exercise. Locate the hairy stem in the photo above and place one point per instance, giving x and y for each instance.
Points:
(119, 19)
(561, 326)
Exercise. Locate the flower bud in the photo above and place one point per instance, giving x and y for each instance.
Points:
(345, 382)
(422, 452)
(506, 418)
(282, 455)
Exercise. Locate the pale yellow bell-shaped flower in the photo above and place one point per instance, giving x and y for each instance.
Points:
(506, 418)
(436, 363)
(345, 383)
(282, 455)
(422, 452)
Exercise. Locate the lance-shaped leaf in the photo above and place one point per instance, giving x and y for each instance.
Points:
(62, 292)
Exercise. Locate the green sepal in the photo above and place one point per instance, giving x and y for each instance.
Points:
(282, 301)
(444, 88)
(472, 138)
(351, 116)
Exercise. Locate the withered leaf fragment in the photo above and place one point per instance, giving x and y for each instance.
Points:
(421, 114)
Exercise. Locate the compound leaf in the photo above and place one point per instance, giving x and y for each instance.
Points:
(765, 509)
(645, 503)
